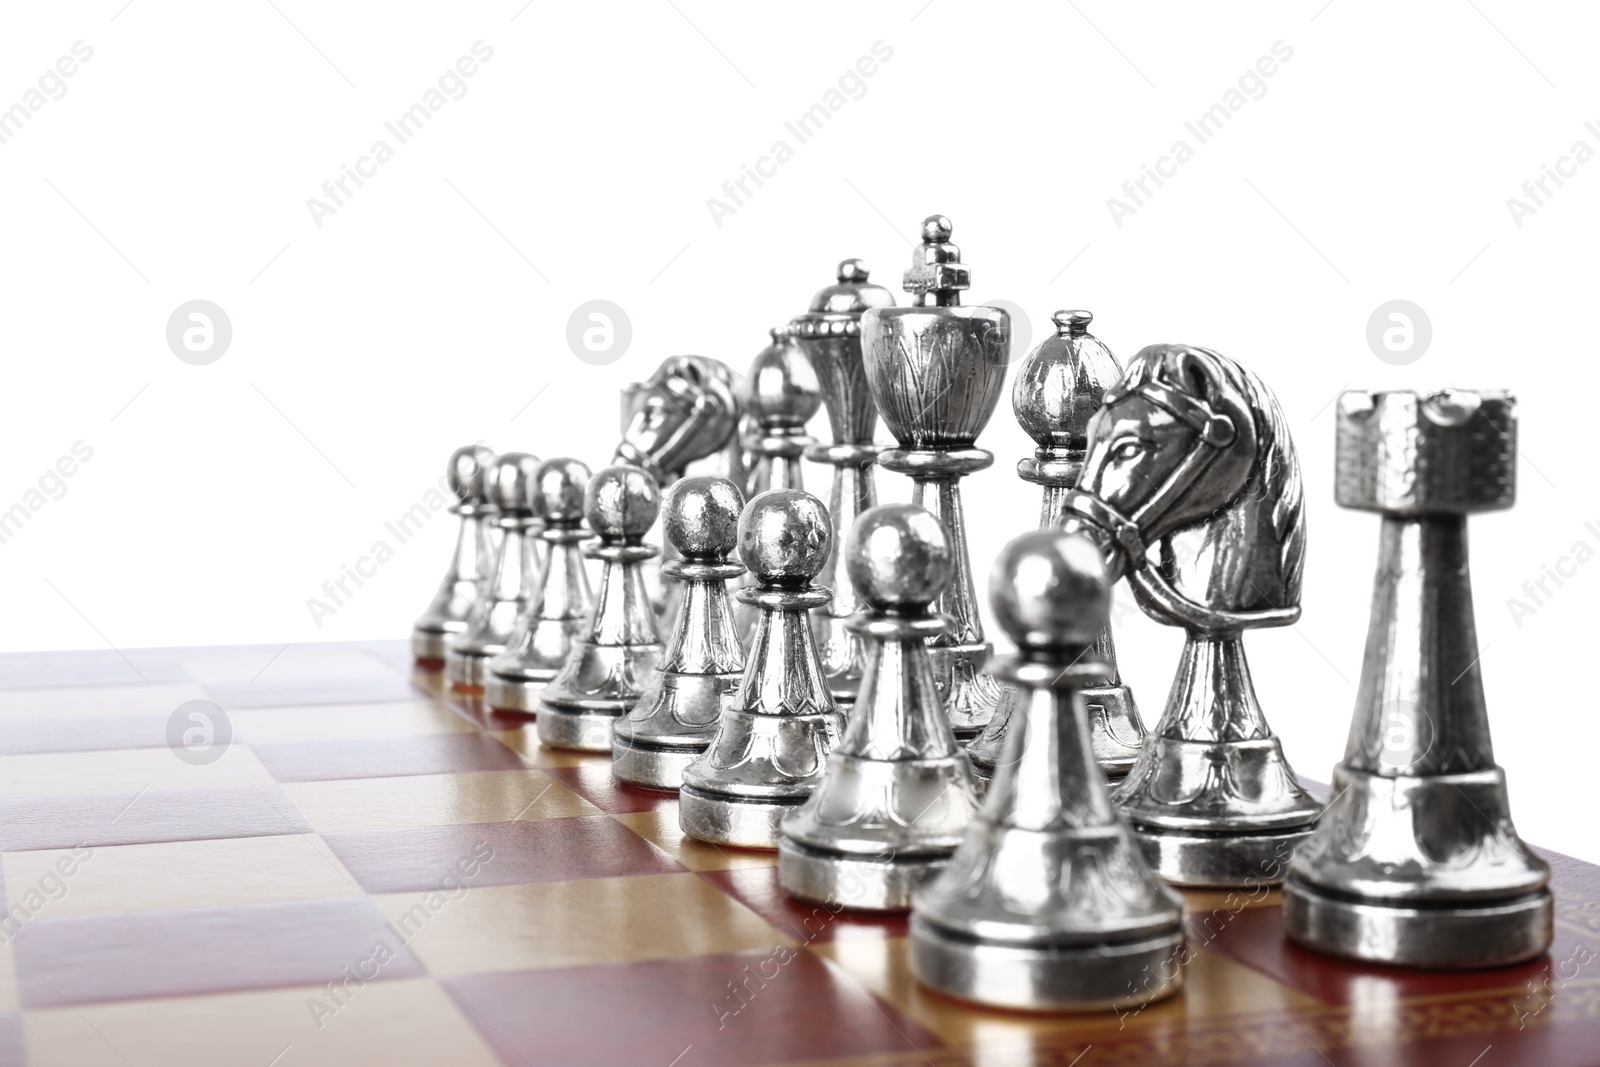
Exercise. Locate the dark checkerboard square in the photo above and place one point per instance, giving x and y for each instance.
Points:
(141, 818)
(389, 757)
(500, 853)
(1255, 938)
(757, 889)
(737, 1009)
(593, 781)
(203, 950)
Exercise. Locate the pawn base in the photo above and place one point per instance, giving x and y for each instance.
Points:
(1219, 860)
(1093, 977)
(465, 671)
(1446, 937)
(428, 648)
(865, 883)
(652, 766)
(579, 729)
(739, 822)
(512, 694)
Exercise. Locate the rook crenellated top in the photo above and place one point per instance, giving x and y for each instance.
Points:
(1449, 452)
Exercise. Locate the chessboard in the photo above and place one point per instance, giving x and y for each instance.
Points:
(287, 856)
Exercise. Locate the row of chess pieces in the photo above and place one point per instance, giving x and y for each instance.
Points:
(825, 688)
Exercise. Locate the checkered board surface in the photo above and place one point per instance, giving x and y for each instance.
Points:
(375, 872)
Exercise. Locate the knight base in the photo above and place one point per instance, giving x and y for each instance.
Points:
(864, 883)
(1049, 978)
(1485, 934)
(740, 822)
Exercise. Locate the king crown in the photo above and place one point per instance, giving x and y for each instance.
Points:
(936, 267)
(1450, 452)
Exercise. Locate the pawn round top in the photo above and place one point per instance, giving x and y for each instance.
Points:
(784, 537)
(558, 490)
(898, 558)
(1060, 384)
(511, 479)
(1050, 590)
(621, 503)
(702, 517)
(466, 471)
(782, 390)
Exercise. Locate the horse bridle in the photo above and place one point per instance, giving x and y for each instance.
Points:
(1214, 431)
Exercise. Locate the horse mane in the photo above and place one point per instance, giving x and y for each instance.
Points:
(1251, 550)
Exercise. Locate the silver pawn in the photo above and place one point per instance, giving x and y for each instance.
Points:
(829, 333)
(770, 749)
(1048, 904)
(558, 610)
(1416, 861)
(470, 564)
(898, 792)
(510, 586)
(936, 370)
(781, 394)
(698, 681)
(605, 671)
(1057, 390)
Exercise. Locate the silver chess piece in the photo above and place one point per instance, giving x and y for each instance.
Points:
(558, 609)
(1416, 861)
(1057, 390)
(771, 747)
(470, 564)
(1048, 905)
(898, 792)
(936, 370)
(686, 415)
(687, 411)
(781, 394)
(698, 680)
(829, 332)
(618, 651)
(506, 593)
(1190, 449)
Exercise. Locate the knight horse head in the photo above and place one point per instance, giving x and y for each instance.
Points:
(687, 410)
(1191, 441)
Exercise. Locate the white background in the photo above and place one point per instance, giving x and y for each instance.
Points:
(431, 309)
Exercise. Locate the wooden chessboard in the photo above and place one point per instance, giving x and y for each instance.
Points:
(371, 872)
